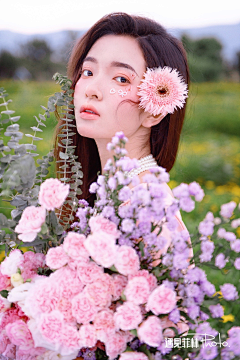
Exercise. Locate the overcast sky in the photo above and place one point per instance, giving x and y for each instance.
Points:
(43, 16)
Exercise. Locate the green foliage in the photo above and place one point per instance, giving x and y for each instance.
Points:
(204, 57)
(21, 176)
(8, 64)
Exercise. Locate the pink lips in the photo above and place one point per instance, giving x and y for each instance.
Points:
(88, 112)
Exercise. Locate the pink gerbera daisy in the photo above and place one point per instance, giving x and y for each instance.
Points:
(162, 90)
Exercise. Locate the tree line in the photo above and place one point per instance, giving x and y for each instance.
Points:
(37, 61)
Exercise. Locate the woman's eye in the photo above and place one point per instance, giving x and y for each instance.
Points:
(122, 79)
(87, 73)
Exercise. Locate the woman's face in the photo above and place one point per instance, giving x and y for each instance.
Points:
(110, 74)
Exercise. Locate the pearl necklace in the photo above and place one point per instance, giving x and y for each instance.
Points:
(146, 163)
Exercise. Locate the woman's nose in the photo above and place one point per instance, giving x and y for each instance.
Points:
(92, 91)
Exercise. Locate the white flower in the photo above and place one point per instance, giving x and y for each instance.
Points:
(19, 294)
(10, 265)
(52, 355)
(16, 280)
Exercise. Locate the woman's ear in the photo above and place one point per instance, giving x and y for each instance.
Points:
(152, 120)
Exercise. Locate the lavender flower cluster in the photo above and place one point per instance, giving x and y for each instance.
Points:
(147, 217)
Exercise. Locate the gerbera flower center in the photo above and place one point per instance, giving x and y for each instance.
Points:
(162, 91)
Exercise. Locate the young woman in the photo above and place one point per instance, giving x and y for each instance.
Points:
(106, 67)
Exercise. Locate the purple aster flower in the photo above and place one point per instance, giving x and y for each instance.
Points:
(157, 190)
(208, 288)
(192, 290)
(180, 245)
(234, 345)
(83, 203)
(227, 209)
(144, 227)
(207, 248)
(134, 345)
(206, 227)
(203, 316)
(141, 196)
(220, 261)
(93, 188)
(164, 349)
(172, 224)
(169, 284)
(181, 191)
(175, 274)
(89, 355)
(152, 180)
(205, 328)
(151, 240)
(124, 194)
(221, 233)
(127, 225)
(114, 219)
(229, 292)
(127, 164)
(180, 261)
(125, 241)
(196, 190)
(158, 356)
(229, 236)
(81, 214)
(125, 211)
(234, 332)
(120, 178)
(112, 183)
(167, 260)
(227, 354)
(208, 352)
(196, 275)
(108, 211)
(235, 245)
(164, 177)
(172, 210)
(235, 223)
(193, 311)
(187, 204)
(174, 315)
(216, 311)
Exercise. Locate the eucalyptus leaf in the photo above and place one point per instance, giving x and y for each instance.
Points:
(63, 155)
(7, 112)
(34, 128)
(42, 117)
(3, 220)
(15, 118)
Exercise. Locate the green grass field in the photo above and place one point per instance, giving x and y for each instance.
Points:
(209, 150)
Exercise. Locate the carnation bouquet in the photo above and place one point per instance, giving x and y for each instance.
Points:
(114, 281)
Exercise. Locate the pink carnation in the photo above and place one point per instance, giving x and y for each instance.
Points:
(69, 337)
(99, 223)
(104, 324)
(151, 279)
(4, 304)
(56, 257)
(5, 282)
(127, 316)
(150, 331)
(127, 260)
(162, 300)
(74, 246)
(10, 351)
(50, 326)
(67, 282)
(100, 291)
(43, 297)
(115, 345)
(137, 290)
(64, 305)
(52, 194)
(88, 273)
(130, 355)
(162, 91)
(102, 248)
(83, 308)
(12, 262)
(34, 260)
(119, 284)
(30, 223)
(87, 336)
(4, 341)
(20, 335)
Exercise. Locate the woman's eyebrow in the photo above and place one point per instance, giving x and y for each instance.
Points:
(113, 64)
(123, 65)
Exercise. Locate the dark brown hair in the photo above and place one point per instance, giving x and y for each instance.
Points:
(159, 49)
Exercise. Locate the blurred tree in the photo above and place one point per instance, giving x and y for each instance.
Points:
(8, 64)
(205, 58)
(36, 58)
(238, 63)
